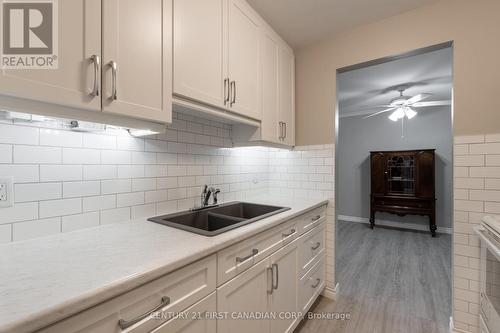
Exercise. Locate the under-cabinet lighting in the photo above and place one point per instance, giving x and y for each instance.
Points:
(141, 132)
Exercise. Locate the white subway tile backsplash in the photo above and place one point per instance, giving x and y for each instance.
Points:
(20, 135)
(128, 143)
(21, 173)
(53, 173)
(60, 207)
(131, 171)
(19, 212)
(80, 221)
(129, 199)
(143, 184)
(116, 157)
(96, 203)
(35, 229)
(143, 158)
(37, 191)
(143, 211)
(60, 138)
(98, 141)
(81, 189)
(81, 156)
(96, 172)
(5, 153)
(37, 155)
(116, 186)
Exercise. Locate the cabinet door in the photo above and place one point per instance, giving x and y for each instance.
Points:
(243, 59)
(193, 319)
(424, 161)
(198, 51)
(72, 83)
(284, 296)
(269, 88)
(378, 173)
(247, 293)
(137, 39)
(287, 94)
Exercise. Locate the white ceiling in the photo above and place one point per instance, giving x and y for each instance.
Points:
(302, 22)
(361, 90)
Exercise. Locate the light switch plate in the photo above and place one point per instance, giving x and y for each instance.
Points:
(6, 191)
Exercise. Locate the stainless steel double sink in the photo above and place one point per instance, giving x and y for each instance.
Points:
(215, 220)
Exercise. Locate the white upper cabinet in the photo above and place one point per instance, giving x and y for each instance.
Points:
(114, 58)
(198, 51)
(287, 96)
(72, 84)
(243, 59)
(137, 70)
(269, 88)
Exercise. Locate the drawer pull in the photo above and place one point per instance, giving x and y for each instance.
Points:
(317, 217)
(270, 273)
(316, 246)
(289, 234)
(314, 286)
(242, 259)
(165, 300)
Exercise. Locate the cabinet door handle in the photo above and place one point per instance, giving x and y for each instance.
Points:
(284, 134)
(281, 130)
(270, 273)
(233, 92)
(226, 91)
(114, 70)
(288, 234)
(316, 246)
(127, 323)
(242, 259)
(275, 266)
(317, 217)
(97, 64)
(316, 284)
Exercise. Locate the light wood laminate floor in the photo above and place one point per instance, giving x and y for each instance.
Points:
(390, 281)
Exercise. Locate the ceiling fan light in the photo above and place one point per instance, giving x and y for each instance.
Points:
(410, 113)
(396, 115)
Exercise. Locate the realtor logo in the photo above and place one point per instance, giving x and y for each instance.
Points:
(29, 38)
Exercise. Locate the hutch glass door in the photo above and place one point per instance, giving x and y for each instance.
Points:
(401, 174)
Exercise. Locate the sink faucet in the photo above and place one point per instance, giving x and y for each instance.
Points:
(205, 195)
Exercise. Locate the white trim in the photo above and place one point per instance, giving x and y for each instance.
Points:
(331, 293)
(394, 224)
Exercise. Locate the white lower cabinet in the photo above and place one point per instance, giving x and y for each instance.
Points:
(196, 319)
(283, 274)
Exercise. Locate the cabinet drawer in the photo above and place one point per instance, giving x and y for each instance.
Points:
(183, 287)
(312, 247)
(401, 202)
(311, 285)
(237, 258)
(311, 219)
(193, 319)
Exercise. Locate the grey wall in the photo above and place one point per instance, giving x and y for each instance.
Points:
(357, 137)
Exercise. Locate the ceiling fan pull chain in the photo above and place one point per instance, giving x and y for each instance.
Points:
(402, 128)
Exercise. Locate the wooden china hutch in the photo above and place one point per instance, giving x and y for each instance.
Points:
(403, 183)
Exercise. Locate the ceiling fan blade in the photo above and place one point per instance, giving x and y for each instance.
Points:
(377, 113)
(418, 98)
(432, 103)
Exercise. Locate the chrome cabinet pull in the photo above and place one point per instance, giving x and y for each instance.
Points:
(284, 134)
(114, 70)
(314, 286)
(288, 234)
(316, 246)
(270, 271)
(242, 259)
(317, 217)
(233, 93)
(275, 286)
(127, 323)
(226, 90)
(97, 63)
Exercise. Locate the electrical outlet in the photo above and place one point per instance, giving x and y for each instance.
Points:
(6, 192)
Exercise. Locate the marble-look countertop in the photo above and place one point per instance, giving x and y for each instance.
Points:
(47, 279)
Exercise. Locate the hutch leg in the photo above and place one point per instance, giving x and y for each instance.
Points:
(432, 224)
(372, 219)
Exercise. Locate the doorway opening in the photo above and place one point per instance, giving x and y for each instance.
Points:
(394, 192)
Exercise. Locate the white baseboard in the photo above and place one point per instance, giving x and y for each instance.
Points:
(394, 224)
(331, 293)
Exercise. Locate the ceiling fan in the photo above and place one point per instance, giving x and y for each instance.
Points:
(403, 106)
